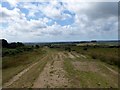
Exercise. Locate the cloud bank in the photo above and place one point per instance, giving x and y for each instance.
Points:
(58, 21)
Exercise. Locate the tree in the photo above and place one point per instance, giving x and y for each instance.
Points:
(37, 46)
(19, 44)
(4, 43)
(68, 49)
(93, 41)
(12, 45)
(15, 45)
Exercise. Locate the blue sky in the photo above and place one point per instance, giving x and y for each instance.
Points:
(58, 21)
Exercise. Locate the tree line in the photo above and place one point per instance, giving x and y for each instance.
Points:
(5, 44)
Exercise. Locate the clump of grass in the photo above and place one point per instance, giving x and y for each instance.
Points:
(105, 54)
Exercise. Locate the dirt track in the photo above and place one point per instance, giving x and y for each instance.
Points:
(53, 74)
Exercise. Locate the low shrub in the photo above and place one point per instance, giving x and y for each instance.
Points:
(103, 53)
(7, 52)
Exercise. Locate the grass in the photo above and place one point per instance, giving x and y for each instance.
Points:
(88, 79)
(68, 67)
(108, 55)
(104, 53)
(27, 80)
(21, 59)
(92, 80)
(14, 64)
(10, 72)
(109, 75)
(14, 51)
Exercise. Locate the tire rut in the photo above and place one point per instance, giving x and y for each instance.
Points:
(53, 75)
(15, 78)
(113, 71)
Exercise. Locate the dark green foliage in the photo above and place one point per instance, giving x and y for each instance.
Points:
(4, 43)
(14, 48)
(85, 49)
(15, 45)
(20, 59)
(7, 52)
(68, 49)
(37, 46)
(94, 41)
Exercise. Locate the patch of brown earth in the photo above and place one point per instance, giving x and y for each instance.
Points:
(83, 56)
(75, 54)
(86, 66)
(53, 75)
(71, 55)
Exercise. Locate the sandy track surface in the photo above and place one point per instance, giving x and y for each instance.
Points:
(70, 55)
(53, 75)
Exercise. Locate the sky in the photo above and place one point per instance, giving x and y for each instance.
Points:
(55, 21)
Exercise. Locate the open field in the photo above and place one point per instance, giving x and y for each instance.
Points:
(11, 65)
(58, 68)
(60, 44)
(105, 54)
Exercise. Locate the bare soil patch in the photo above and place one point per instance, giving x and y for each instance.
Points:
(86, 66)
(53, 75)
(75, 54)
(71, 55)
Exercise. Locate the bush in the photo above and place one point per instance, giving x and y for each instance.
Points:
(85, 49)
(37, 46)
(7, 52)
(4, 43)
(68, 49)
(15, 45)
(93, 56)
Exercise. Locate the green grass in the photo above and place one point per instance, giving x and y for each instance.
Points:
(91, 80)
(21, 59)
(12, 65)
(87, 79)
(10, 72)
(71, 73)
(108, 55)
(104, 53)
(15, 51)
(27, 80)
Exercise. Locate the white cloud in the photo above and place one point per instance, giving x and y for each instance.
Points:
(52, 10)
(87, 23)
(13, 3)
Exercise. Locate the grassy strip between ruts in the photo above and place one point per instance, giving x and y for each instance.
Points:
(82, 79)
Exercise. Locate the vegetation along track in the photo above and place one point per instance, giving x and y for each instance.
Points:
(62, 69)
(19, 75)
